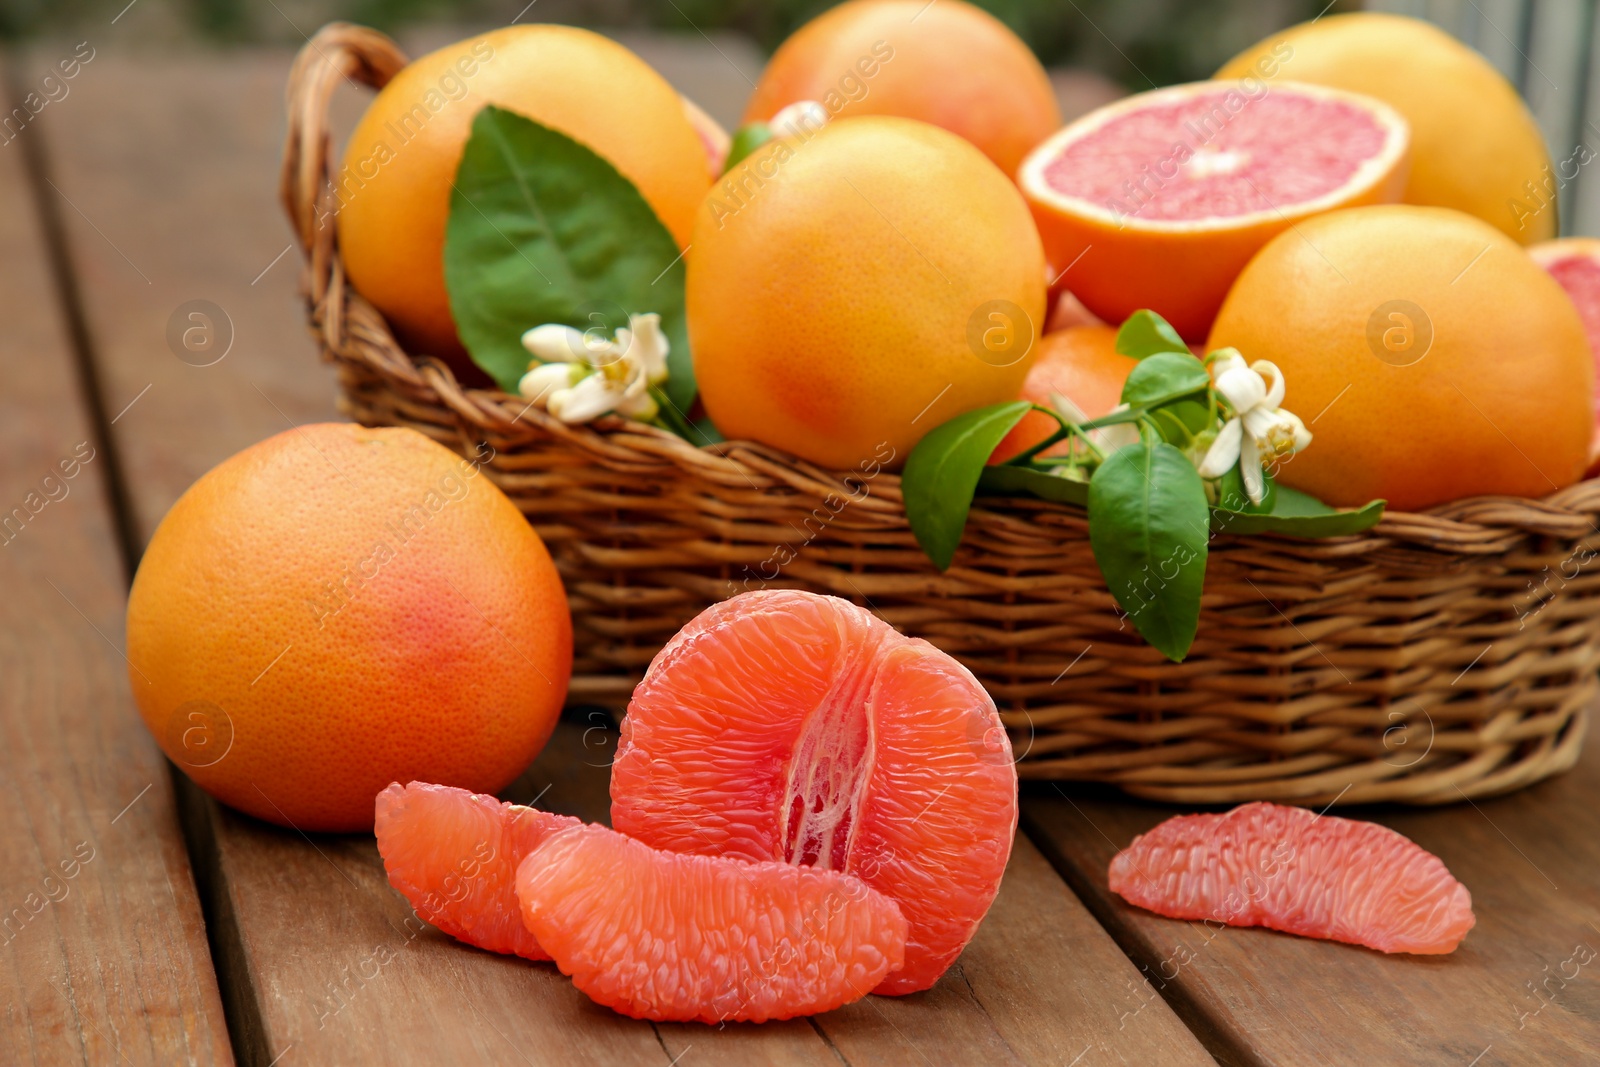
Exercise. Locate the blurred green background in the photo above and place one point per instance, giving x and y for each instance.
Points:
(1128, 41)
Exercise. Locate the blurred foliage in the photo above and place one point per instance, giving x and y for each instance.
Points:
(1136, 42)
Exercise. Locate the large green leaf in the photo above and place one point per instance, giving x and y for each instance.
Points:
(1163, 377)
(1145, 333)
(1297, 514)
(942, 473)
(1004, 480)
(544, 230)
(1148, 530)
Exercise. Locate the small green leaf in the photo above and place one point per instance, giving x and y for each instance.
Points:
(1163, 377)
(544, 230)
(1297, 514)
(1004, 480)
(1148, 530)
(942, 473)
(1146, 333)
(746, 139)
(706, 433)
(1232, 496)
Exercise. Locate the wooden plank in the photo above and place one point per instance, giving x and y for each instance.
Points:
(1259, 997)
(297, 915)
(103, 954)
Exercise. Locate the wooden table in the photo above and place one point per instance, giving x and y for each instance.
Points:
(143, 924)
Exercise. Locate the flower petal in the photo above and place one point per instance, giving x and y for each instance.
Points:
(646, 343)
(544, 379)
(800, 119)
(1274, 377)
(1240, 386)
(1255, 486)
(1224, 451)
(556, 343)
(589, 399)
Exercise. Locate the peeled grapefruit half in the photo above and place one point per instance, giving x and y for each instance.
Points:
(453, 854)
(1574, 262)
(1291, 870)
(666, 936)
(1167, 194)
(791, 727)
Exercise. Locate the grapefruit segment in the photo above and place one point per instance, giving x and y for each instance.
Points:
(1574, 262)
(1288, 869)
(674, 937)
(454, 854)
(1167, 194)
(786, 726)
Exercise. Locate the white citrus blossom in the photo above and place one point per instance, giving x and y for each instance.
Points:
(585, 375)
(1258, 428)
(1107, 438)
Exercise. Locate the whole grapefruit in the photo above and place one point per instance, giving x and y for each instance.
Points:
(851, 291)
(1475, 146)
(336, 608)
(393, 190)
(950, 64)
(1431, 357)
(1080, 363)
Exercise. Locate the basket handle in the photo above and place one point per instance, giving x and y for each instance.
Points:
(340, 51)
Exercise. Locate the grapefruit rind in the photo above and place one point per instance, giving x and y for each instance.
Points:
(1371, 173)
(453, 855)
(786, 726)
(1291, 870)
(676, 937)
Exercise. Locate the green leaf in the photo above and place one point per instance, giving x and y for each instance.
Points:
(746, 139)
(1148, 530)
(1001, 479)
(942, 473)
(1297, 514)
(1146, 333)
(1163, 377)
(544, 230)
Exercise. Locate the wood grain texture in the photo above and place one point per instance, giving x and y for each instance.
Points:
(103, 954)
(1259, 997)
(323, 961)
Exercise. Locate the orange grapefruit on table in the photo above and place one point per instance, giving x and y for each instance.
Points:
(1160, 199)
(1429, 355)
(853, 290)
(1475, 146)
(950, 64)
(1080, 363)
(393, 190)
(791, 727)
(337, 608)
(1289, 869)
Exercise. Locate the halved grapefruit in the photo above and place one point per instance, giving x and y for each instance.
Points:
(791, 727)
(1167, 194)
(454, 854)
(1574, 262)
(1289, 869)
(667, 936)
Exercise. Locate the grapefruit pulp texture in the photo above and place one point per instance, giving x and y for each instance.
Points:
(666, 936)
(1574, 262)
(789, 727)
(1288, 869)
(1167, 194)
(454, 854)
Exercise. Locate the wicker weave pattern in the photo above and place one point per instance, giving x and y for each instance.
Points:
(1443, 655)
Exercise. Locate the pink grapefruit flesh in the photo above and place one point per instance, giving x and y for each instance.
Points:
(1574, 262)
(1160, 199)
(674, 937)
(454, 854)
(788, 727)
(1289, 869)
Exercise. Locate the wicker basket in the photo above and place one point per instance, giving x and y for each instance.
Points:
(1443, 655)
